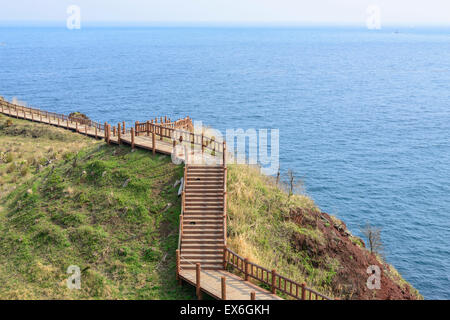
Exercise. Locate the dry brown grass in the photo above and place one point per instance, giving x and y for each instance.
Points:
(22, 155)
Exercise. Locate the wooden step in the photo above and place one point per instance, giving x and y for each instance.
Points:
(205, 168)
(205, 189)
(204, 175)
(202, 237)
(203, 230)
(204, 206)
(205, 217)
(199, 246)
(201, 255)
(205, 196)
(208, 193)
(208, 267)
(200, 211)
(210, 200)
(201, 225)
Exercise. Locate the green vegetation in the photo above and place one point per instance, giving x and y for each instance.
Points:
(260, 229)
(110, 211)
(70, 200)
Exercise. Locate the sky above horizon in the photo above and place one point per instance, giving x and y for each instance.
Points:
(393, 12)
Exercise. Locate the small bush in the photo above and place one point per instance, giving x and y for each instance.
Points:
(24, 170)
(11, 168)
(9, 157)
(88, 239)
(67, 156)
(49, 234)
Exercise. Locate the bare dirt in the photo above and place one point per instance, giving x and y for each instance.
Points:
(350, 280)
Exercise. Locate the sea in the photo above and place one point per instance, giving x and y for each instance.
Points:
(363, 115)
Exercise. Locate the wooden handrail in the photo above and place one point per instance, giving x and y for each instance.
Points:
(271, 278)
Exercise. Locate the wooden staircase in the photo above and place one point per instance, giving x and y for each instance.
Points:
(203, 223)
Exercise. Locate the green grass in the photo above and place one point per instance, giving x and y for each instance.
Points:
(110, 211)
(259, 229)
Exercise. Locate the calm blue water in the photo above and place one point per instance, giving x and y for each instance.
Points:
(364, 116)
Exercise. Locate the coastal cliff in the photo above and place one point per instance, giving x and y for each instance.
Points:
(69, 200)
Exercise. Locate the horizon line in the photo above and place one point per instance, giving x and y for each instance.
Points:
(98, 23)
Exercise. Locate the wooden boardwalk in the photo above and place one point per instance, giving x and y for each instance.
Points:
(202, 256)
(163, 144)
(236, 287)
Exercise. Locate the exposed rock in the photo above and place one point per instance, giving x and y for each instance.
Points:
(126, 183)
(337, 244)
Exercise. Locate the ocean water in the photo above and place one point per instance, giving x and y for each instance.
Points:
(364, 116)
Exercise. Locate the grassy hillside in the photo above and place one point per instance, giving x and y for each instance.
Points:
(70, 200)
(290, 234)
(112, 212)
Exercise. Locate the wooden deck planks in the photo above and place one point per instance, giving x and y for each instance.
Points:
(143, 142)
(236, 288)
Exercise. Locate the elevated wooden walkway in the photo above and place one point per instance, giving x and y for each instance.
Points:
(203, 258)
(200, 257)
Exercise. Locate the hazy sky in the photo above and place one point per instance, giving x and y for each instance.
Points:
(409, 12)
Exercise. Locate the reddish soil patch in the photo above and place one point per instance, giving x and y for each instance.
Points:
(351, 278)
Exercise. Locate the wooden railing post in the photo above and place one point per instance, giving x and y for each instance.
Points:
(225, 175)
(224, 153)
(153, 141)
(178, 264)
(108, 133)
(225, 217)
(123, 127)
(105, 125)
(181, 224)
(118, 133)
(274, 274)
(147, 127)
(132, 138)
(253, 295)
(246, 269)
(203, 145)
(225, 252)
(303, 291)
(197, 281)
(183, 197)
(224, 288)
(137, 129)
